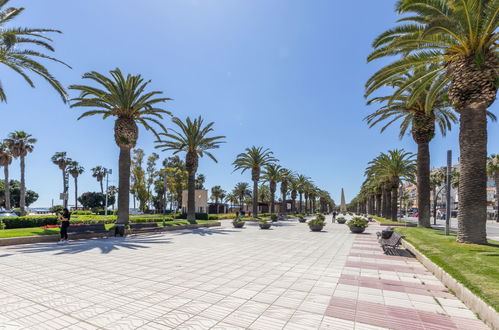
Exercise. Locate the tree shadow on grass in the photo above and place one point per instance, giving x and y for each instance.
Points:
(106, 246)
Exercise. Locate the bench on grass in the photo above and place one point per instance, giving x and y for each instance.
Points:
(97, 228)
(144, 226)
(393, 242)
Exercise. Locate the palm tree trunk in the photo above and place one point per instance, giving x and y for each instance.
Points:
(191, 196)
(388, 204)
(272, 199)
(472, 215)
(284, 208)
(384, 204)
(423, 181)
(64, 190)
(101, 186)
(124, 186)
(255, 198)
(301, 207)
(76, 193)
(293, 205)
(434, 205)
(6, 187)
(22, 197)
(378, 205)
(394, 202)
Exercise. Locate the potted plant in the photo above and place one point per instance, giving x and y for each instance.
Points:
(273, 217)
(318, 223)
(302, 219)
(341, 220)
(264, 224)
(357, 225)
(238, 223)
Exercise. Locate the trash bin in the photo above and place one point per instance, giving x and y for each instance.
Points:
(119, 229)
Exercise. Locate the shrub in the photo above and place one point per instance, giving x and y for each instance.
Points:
(341, 220)
(79, 212)
(213, 217)
(2, 225)
(273, 217)
(318, 221)
(358, 222)
(29, 221)
(109, 212)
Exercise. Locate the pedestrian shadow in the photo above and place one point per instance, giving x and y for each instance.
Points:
(105, 246)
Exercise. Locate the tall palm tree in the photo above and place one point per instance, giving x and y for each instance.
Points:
(459, 38)
(126, 99)
(99, 173)
(5, 161)
(192, 138)
(232, 199)
(19, 59)
(302, 182)
(393, 167)
(20, 144)
(242, 191)
(62, 161)
(75, 170)
(420, 117)
(272, 175)
(493, 172)
(217, 194)
(254, 159)
(285, 176)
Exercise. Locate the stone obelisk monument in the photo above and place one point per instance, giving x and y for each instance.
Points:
(343, 206)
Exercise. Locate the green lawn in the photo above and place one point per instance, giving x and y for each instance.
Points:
(36, 231)
(390, 222)
(475, 266)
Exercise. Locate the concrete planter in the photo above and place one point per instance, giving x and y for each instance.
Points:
(265, 225)
(316, 228)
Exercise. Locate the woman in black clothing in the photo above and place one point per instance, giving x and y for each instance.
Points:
(64, 217)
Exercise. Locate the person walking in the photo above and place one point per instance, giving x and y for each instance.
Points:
(334, 216)
(64, 218)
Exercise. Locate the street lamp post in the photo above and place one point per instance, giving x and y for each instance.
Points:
(107, 186)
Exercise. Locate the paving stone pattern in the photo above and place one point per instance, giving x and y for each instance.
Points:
(224, 278)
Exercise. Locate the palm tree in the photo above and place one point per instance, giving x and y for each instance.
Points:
(293, 186)
(241, 190)
(302, 182)
(285, 176)
(272, 175)
(20, 59)
(5, 161)
(460, 39)
(232, 199)
(125, 99)
(493, 172)
(191, 138)
(254, 159)
(393, 167)
(75, 169)
(216, 193)
(99, 172)
(20, 144)
(437, 178)
(420, 117)
(200, 179)
(62, 161)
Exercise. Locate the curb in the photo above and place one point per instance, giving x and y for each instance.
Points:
(473, 302)
(395, 224)
(54, 238)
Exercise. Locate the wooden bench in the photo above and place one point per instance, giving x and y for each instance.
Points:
(97, 228)
(144, 226)
(393, 242)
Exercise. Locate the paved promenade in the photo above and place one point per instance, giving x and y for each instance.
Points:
(224, 278)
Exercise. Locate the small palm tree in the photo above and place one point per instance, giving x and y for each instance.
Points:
(254, 159)
(272, 175)
(217, 194)
(75, 169)
(232, 199)
(242, 191)
(5, 161)
(493, 172)
(62, 161)
(192, 138)
(20, 144)
(126, 99)
(293, 186)
(285, 176)
(200, 179)
(460, 39)
(99, 173)
(20, 59)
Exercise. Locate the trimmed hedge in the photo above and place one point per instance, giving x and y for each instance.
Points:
(26, 222)
(40, 221)
(199, 216)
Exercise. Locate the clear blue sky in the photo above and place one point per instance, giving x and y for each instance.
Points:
(287, 75)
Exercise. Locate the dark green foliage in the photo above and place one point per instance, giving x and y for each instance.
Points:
(15, 193)
(95, 200)
(199, 216)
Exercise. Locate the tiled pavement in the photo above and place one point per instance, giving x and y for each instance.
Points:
(224, 278)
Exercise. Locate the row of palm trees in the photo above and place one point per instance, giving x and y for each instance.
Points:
(445, 71)
(385, 175)
(256, 159)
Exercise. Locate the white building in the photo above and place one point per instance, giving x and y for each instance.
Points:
(201, 201)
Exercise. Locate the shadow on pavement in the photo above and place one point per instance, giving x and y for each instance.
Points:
(105, 245)
(206, 232)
